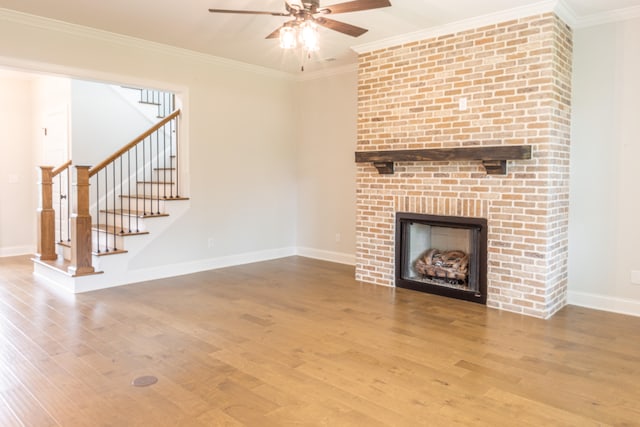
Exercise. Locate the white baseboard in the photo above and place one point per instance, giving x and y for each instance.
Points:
(115, 276)
(212, 264)
(339, 257)
(111, 279)
(16, 250)
(606, 303)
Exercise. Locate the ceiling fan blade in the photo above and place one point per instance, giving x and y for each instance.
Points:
(249, 12)
(275, 34)
(355, 6)
(342, 27)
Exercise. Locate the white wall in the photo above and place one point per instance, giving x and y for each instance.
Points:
(241, 154)
(605, 178)
(103, 122)
(245, 170)
(326, 117)
(51, 102)
(17, 172)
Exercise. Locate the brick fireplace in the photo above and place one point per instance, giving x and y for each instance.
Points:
(515, 79)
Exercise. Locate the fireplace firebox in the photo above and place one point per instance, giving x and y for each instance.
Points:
(442, 255)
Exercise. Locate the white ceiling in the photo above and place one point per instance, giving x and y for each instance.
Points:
(189, 25)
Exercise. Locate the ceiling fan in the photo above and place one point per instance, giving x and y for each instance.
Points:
(304, 11)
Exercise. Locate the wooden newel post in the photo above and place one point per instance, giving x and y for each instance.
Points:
(81, 225)
(46, 233)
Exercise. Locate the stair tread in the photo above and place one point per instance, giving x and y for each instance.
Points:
(111, 229)
(109, 251)
(133, 213)
(156, 182)
(163, 199)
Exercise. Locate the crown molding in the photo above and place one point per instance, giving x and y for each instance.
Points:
(608, 17)
(133, 42)
(566, 13)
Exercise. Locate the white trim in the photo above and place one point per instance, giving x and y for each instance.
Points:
(16, 251)
(103, 281)
(566, 13)
(338, 257)
(603, 302)
(46, 68)
(189, 267)
(608, 17)
(463, 25)
(133, 42)
(106, 280)
(165, 271)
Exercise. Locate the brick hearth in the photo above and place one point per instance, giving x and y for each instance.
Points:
(516, 77)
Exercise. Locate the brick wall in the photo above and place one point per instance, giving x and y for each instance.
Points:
(516, 77)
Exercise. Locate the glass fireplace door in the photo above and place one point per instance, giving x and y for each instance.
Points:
(442, 255)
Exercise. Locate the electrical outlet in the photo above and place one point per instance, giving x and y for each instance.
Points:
(635, 277)
(338, 237)
(210, 242)
(462, 104)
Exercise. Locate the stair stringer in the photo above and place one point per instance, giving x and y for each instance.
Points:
(132, 97)
(115, 269)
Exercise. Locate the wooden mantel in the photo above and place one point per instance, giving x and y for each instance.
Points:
(494, 158)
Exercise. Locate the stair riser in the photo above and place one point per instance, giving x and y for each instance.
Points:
(111, 242)
(147, 205)
(164, 175)
(118, 220)
(148, 189)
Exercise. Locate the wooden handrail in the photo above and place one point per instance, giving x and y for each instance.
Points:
(60, 168)
(97, 168)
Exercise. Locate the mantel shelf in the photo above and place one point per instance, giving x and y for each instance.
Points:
(494, 159)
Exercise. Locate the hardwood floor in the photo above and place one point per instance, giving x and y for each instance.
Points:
(300, 342)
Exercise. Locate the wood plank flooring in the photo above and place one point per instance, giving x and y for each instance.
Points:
(299, 342)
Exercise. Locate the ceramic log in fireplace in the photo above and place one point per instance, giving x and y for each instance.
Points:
(442, 255)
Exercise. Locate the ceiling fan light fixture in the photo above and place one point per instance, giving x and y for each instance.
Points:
(288, 38)
(309, 36)
(302, 30)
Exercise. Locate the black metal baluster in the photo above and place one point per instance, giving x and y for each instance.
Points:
(151, 174)
(177, 159)
(115, 212)
(106, 205)
(129, 185)
(68, 174)
(164, 159)
(171, 136)
(137, 193)
(121, 191)
(144, 183)
(157, 162)
(98, 214)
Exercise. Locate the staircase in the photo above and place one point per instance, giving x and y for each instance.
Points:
(88, 239)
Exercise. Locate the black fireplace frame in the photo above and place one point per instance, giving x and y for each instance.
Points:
(479, 228)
